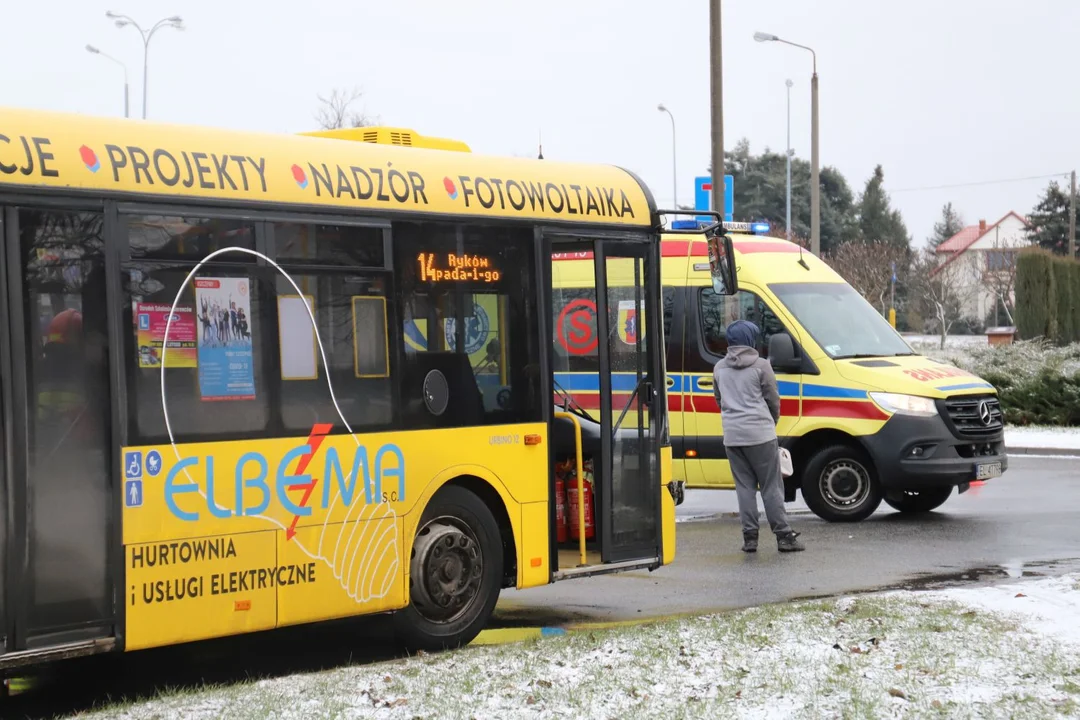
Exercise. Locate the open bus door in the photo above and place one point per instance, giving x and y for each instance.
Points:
(606, 373)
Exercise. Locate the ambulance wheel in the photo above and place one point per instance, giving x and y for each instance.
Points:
(839, 484)
(915, 502)
(455, 573)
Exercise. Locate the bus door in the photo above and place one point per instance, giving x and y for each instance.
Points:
(605, 369)
(56, 439)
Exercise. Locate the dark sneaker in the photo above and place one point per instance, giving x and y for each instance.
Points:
(749, 543)
(788, 542)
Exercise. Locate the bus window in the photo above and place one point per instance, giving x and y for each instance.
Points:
(350, 313)
(65, 323)
(468, 311)
(330, 245)
(215, 382)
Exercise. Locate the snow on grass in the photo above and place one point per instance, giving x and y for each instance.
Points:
(1049, 438)
(948, 653)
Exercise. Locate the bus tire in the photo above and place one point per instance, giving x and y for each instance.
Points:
(455, 573)
(916, 502)
(840, 484)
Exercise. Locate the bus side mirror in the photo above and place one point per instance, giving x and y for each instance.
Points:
(782, 354)
(722, 265)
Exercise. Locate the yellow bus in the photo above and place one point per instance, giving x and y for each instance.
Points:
(252, 381)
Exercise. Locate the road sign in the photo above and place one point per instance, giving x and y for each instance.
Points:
(703, 196)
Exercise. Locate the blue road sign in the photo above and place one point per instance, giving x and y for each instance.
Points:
(703, 196)
(133, 496)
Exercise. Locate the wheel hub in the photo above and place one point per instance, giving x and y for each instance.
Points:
(446, 570)
(844, 483)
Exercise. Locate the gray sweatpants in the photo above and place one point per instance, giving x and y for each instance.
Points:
(758, 466)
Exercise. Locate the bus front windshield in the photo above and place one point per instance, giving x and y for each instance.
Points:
(840, 320)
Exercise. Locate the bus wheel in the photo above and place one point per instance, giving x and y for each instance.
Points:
(839, 484)
(915, 502)
(455, 573)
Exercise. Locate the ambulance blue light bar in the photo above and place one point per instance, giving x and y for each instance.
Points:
(756, 228)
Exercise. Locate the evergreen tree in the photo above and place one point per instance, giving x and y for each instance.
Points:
(1050, 220)
(878, 222)
(761, 189)
(949, 224)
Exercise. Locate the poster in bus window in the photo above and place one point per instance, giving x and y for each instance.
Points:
(226, 367)
(629, 321)
(151, 321)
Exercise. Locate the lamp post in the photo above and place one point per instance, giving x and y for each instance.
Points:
(674, 163)
(788, 83)
(815, 184)
(94, 51)
(174, 22)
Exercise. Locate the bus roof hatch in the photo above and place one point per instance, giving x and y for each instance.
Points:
(392, 136)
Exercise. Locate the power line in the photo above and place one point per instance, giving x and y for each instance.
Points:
(981, 182)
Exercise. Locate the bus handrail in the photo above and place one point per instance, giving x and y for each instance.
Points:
(579, 469)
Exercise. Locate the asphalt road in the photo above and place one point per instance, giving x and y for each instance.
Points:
(1027, 521)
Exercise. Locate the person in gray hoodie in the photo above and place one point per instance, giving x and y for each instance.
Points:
(746, 391)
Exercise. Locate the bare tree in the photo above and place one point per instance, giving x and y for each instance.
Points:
(945, 291)
(336, 110)
(868, 267)
(1000, 276)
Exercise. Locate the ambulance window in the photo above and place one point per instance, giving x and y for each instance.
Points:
(719, 311)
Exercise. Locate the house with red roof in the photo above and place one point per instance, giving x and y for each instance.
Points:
(980, 263)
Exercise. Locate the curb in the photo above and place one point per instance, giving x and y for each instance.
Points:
(1054, 452)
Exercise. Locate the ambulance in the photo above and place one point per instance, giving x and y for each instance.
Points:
(866, 418)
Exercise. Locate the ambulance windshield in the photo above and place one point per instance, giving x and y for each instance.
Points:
(840, 320)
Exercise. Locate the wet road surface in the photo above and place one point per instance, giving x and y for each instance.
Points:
(1025, 522)
(1021, 521)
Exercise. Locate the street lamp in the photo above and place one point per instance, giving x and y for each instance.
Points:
(94, 51)
(788, 83)
(815, 185)
(174, 22)
(674, 166)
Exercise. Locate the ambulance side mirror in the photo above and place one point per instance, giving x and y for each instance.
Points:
(782, 354)
(722, 265)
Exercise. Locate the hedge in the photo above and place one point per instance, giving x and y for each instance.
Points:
(1047, 297)
(1037, 383)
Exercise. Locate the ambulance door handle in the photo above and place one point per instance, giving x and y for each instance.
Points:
(705, 382)
(670, 382)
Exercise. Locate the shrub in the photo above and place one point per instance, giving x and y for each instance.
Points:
(1038, 383)
(1063, 298)
(1036, 308)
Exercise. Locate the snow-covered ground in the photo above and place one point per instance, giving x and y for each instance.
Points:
(1049, 438)
(923, 342)
(1009, 651)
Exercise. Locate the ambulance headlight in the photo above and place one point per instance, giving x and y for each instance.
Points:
(897, 404)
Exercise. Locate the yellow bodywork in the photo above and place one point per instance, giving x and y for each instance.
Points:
(210, 548)
(103, 155)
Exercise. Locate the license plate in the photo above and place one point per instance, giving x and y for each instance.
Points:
(985, 471)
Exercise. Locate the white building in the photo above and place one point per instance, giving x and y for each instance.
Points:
(980, 263)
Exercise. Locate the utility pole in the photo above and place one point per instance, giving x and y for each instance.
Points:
(716, 66)
(815, 181)
(788, 192)
(1072, 218)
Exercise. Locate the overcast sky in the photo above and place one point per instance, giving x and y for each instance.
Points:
(938, 92)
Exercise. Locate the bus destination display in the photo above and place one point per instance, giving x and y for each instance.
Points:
(452, 267)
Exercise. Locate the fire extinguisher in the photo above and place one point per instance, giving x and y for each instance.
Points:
(560, 509)
(587, 500)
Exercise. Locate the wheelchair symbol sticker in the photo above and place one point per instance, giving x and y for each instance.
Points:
(133, 465)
